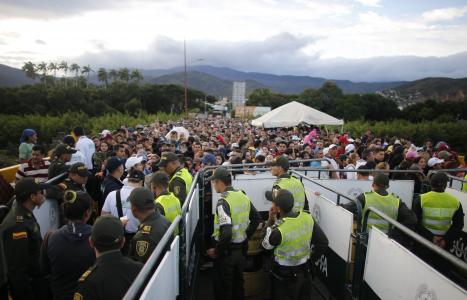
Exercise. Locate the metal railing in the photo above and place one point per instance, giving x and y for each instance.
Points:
(140, 282)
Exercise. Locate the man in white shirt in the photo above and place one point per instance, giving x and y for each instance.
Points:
(85, 145)
(118, 205)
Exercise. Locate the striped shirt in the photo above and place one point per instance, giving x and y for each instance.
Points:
(27, 170)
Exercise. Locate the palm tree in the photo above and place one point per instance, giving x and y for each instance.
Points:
(136, 76)
(113, 75)
(30, 70)
(124, 74)
(42, 67)
(53, 67)
(64, 66)
(87, 70)
(103, 76)
(75, 68)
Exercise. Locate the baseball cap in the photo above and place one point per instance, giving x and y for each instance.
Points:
(220, 173)
(132, 161)
(342, 157)
(434, 161)
(142, 198)
(411, 154)
(135, 174)
(280, 161)
(283, 198)
(235, 145)
(349, 148)
(107, 231)
(208, 158)
(64, 149)
(80, 169)
(325, 151)
(113, 163)
(166, 158)
(438, 179)
(28, 185)
(332, 146)
(381, 180)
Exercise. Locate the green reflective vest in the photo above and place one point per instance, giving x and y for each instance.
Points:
(294, 249)
(388, 204)
(171, 205)
(294, 186)
(239, 205)
(437, 211)
(464, 184)
(185, 176)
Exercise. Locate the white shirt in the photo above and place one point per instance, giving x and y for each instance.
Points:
(86, 146)
(76, 158)
(110, 206)
(360, 162)
(351, 175)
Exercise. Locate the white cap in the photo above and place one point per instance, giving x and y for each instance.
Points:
(349, 148)
(235, 145)
(325, 151)
(332, 146)
(132, 161)
(351, 140)
(105, 132)
(434, 161)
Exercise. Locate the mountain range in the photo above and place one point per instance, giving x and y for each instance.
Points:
(217, 81)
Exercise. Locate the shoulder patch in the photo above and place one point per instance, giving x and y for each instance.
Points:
(146, 229)
(20, 235)
(86, 274)
(77, 296)
(177, 190)
(142, 247)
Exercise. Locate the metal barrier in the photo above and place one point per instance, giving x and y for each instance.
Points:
(140, 282)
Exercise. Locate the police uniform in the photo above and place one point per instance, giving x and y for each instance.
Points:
(169, 206)
(180, 181)
(151, 230)
(291, 238)
(113, 273)
(21, 238)
(390, 204)
(290, 183)
(235, 221)
(57, 166)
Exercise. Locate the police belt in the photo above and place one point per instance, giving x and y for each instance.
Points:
(290, 271)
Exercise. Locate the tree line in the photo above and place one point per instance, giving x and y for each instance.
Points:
(330, 99)
(47, 73)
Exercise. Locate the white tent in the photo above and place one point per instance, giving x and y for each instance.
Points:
(292, 114)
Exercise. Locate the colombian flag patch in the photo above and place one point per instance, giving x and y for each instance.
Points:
(20, 235)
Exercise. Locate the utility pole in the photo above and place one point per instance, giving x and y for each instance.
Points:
(185, 81)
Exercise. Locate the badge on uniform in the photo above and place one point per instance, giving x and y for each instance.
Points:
(77, 296)
(20, 235)
(19, 219)
(146, 228)
(141, 247)
(177, 190)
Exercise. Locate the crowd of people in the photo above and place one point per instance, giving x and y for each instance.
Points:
(124, 187)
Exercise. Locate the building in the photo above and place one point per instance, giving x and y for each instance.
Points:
(238, 94)
(242, 111)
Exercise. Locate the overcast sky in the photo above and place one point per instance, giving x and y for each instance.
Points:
(361, 40)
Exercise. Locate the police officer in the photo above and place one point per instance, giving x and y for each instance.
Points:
(77, 177)
(180, 178)
(235, 221)
(279, 167)
(291, 234)
(153, 225)
(113, 273)
(166, 202)
(390, 204)
(21, 238)
(62, 155)
(440, 215)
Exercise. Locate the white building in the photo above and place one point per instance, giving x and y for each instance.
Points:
(238, 94)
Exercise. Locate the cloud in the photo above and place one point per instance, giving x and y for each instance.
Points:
(372, 3)
(40, 42)
(444, 14)
(279, 54)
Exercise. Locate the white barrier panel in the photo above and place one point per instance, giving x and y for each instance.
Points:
(164, 283)
(457, 184)
(335, 221)
(462, 196)
(254, 186)
(353, 188)
(47, 216)
(393, 272)
(191, 219)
